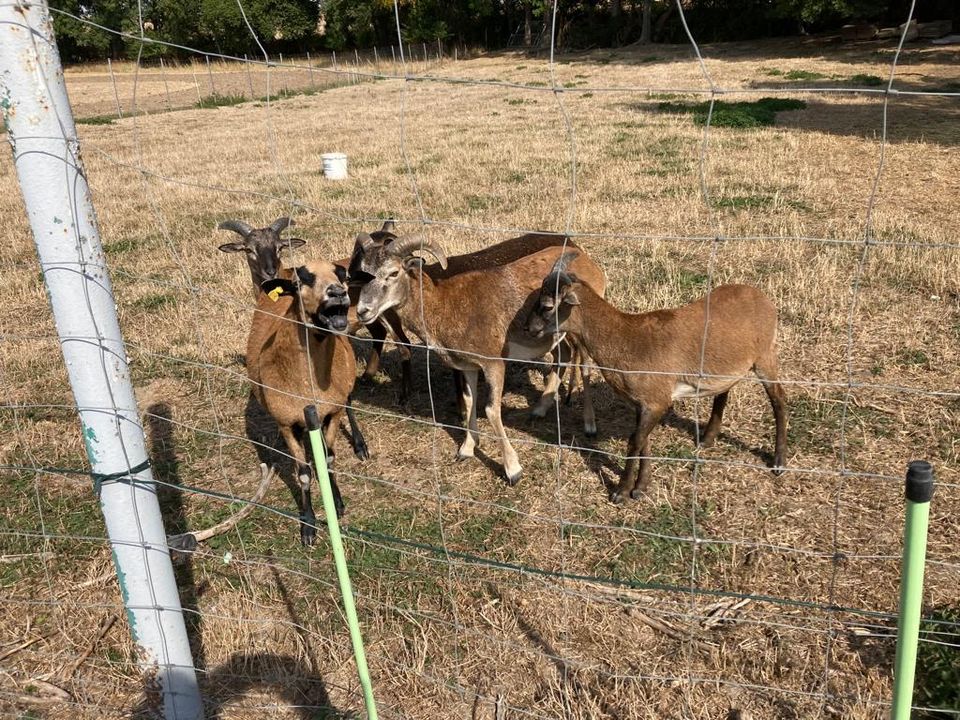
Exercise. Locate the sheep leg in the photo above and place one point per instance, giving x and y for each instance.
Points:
(716, 418)
(378, 331)
(356, 436)
(458, 382)
(494, 373)
(308, 519)
(636, 472)
(550, 386)
(576, 373)
(589, 417)
(329, 438)
(472, 439)
(403, 345)
(768, 372)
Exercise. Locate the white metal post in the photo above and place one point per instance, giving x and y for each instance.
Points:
(46, 154)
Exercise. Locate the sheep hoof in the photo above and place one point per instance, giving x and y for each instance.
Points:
(617, 497)
(308, 531)
(590, 432)
(637, 493)
(512, 480)
(461, 456)
(778, 469)
(361, 451)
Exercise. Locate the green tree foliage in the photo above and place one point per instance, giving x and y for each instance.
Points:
(296, 26)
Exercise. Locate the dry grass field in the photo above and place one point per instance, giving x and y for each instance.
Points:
(479, 600)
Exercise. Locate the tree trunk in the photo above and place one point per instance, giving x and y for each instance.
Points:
(662, 21)
(616, 8)
(645, 35)
(527, 24)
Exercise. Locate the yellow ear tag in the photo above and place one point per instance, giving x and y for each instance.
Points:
(275, 294)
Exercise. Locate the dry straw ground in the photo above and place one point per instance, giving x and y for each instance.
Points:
(440, 627)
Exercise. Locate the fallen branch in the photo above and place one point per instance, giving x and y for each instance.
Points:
(189, 540)
(22, 646)
(105, 626)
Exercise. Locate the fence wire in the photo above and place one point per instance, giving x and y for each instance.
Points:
(471, 601)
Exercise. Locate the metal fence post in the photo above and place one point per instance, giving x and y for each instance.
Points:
(46, 154)
(919, 492)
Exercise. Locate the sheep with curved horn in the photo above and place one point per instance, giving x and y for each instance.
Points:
(368, 254)
(473, 321)
(261, 246)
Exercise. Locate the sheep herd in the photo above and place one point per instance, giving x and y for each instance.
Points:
(534, 296)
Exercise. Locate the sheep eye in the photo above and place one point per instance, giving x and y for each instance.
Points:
(392, 275)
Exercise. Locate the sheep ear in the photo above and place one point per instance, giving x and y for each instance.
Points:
(278, 287)
(291, 243)
(233, 247)
(570, 298)
(341, 272)
(414, 262)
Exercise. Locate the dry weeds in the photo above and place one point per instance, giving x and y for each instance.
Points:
(440, 629)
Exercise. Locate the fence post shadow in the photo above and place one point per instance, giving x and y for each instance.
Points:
(166, 470)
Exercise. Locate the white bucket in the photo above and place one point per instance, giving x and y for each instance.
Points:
(334, 166)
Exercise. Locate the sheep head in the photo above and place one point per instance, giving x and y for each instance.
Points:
(261, 246)
(558, 296)
(319, 288)
(388, 274)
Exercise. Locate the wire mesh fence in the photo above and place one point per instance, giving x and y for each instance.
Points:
(723, 592)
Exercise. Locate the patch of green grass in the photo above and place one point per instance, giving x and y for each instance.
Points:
(760, 113)
(772, 71)
(537, 83)
(938, 664)
(96, 120)
(519, 101)
(804, 75)
(217, 100)
(664, 554)
(521, 67)
(650, 59)
(574, 83)
(742, 202)
(123, 245)
(154, 301)
(586, 95)
(910, 357)
(815, 423)
(479, 202)
(515, 176)
(867, 80)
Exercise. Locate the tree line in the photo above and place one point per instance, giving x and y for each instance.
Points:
(298, 26)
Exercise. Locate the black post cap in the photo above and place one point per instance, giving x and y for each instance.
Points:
(312, 417)
(919, 481)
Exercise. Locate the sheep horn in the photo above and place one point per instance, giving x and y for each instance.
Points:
(281, 224)
(365, 242)
(238, 226)
(389, 226)
(405, 247)
(563, 262)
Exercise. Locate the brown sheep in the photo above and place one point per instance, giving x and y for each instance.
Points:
(297, 353)
(654, 358)
(473, 321)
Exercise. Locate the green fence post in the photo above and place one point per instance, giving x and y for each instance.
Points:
(919, 491)
(339, 559)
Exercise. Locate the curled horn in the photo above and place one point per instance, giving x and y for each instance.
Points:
(389, 226)
(404, 247)
(563, 262)
(365, 242)
(281, 224)
(238, 226)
